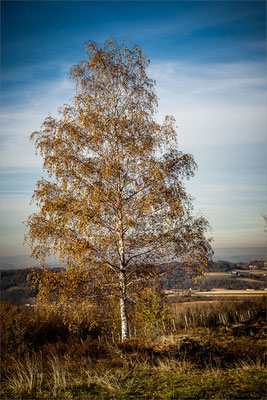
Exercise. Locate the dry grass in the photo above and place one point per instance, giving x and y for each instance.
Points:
(194, 355)
(25, 375)
(167, 378)
(58, 376)
(214, 314)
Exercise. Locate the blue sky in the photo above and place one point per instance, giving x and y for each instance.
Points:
(209, 61)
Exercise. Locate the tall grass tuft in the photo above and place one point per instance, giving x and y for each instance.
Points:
(58, 375)
(25, 376)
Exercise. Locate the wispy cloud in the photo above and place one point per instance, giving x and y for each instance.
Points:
(214, 104)
(202, 17)
(221, 114)
(226, 81)
(18, 121)
(14, 210)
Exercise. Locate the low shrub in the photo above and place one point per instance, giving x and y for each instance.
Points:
(16, 328)
(25, 329)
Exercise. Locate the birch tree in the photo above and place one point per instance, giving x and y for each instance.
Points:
(114, 202)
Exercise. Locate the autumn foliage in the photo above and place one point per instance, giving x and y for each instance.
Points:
(115, 203)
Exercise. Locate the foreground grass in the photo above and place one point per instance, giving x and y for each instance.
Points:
(167, 379)
(212, 351)
(196, 365)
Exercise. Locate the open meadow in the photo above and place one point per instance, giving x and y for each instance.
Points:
(196, 350)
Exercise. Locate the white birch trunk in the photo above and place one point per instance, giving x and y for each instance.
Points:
(123, 311)
(122, 283)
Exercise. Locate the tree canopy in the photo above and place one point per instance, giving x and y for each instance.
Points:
(115, 202)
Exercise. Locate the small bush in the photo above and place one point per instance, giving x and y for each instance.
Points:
(16, 328)
(25, 329)
(150, 315)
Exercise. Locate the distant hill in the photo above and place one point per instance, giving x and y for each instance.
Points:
(236, 254)
(232, 254)
(14, 286)
(24, 261)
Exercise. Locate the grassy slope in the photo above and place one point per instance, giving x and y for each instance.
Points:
(206, 351)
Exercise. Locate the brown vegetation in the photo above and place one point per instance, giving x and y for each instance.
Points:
(185, 351)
